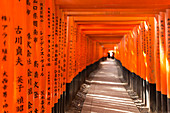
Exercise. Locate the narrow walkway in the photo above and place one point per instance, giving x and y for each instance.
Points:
(107, 93)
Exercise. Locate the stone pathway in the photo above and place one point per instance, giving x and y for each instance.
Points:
(107, 93)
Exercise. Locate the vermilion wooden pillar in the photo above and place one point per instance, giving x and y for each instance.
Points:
(48, 60)
(163, 62)
(8, 93)
(167, 35)
(157, 68)
(151, 87)
(36, 54)
(29, 67)
(19, 63)
(43, 56)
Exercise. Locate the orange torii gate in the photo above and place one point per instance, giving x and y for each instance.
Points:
(49, 47)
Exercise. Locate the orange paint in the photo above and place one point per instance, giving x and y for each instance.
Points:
(36, 55)
(43, 56)
(143, 67)
(157, 48)
(70, 47)
(6, 61)
(139, 46)
(52, 28)
(48, 60)
(20, 45)
(65, 53)
(151, 52)
(29, 58)
(135, 49)
(146, 46)
(61, 37)
(162, 53)
(167, 27)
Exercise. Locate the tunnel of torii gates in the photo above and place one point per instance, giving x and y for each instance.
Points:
(49, 47)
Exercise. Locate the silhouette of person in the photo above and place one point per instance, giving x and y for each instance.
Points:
(108, 55)
(113, 55)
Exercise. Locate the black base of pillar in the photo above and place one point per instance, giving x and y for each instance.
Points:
(126, 74)
(103, 59)
(152, 97)
(147, 100)
(53, 110)
(84, 75)
(158, 101)
(144, 92)
(56, 108)
(87, 71)
(129, 78)
(168, 105)
(74, 86)
(164, 103)
(139, 86)
(69, 94)
(64, 101)
(62, 104)
(81, 78)
(135, 82)
(59, 106)
(77, 83)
